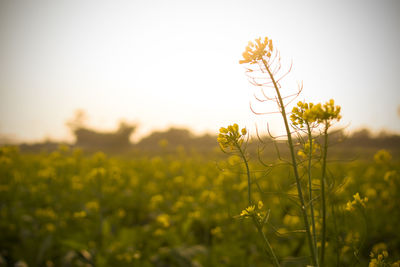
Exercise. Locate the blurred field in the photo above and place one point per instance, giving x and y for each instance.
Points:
(179, 206)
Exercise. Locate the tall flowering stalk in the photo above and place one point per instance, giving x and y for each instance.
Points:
(230, 139)
(327, 113)
(304, 115)
(262, 53)
(264, 67)
(309, 116)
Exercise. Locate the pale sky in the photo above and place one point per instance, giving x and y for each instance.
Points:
(175, 63)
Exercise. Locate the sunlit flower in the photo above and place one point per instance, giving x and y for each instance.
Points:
(259, 50)
(350, 205)
(248, 211)
(230, 137)
(307, 113)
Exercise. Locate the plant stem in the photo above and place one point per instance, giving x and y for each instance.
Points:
(247, 172)
(267, 244)
(310, 189)
(256, 223)
(294, 164)
(323, 199)
(336, 234)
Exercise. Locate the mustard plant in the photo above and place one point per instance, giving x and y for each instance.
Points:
(311, 116)
(327, 114)
(231, 140)
(306, 115)
(264, 68)
(262, 54)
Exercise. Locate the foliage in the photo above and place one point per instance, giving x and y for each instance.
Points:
(66, 209)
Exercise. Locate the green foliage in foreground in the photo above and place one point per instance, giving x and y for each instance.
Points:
(66, 209)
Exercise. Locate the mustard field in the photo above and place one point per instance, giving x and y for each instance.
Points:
(180, 208)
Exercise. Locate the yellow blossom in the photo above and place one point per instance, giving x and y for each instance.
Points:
(164, 220)
(230, 137)
(248, 211)
(259, 50)
(357, 201)
(260, 204)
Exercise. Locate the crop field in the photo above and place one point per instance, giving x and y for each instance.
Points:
(183, 209)
(199, 133)
(235, 199)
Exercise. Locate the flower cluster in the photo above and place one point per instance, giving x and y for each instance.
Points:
(378, 259)
(247, 212)
(257, 51)
(306, 149)
(306, 113)
(230, 137)
(357, 200)
(330, 112)
(254, 211)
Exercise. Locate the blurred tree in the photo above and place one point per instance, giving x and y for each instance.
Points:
(91, 139)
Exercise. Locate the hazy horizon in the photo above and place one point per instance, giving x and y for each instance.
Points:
(161, 64)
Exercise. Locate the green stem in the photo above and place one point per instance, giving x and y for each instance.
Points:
(294, 164)
(336, 234)
(256, 223)
(247, 172)
(310, 190)
(267, 244)
(323, 194)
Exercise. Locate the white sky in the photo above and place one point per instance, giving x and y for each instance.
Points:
(175, 63)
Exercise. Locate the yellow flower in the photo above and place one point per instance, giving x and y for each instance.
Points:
(244, 213)
(349, 206)
(305, 113)
(223, 130)
(357, 200)
(248, 211)
(260, 50)
(385, 254)
(230, 137)
(260, 204)
(164, 220)
(373, 263)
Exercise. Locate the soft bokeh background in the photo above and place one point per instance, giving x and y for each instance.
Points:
(175, 63)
